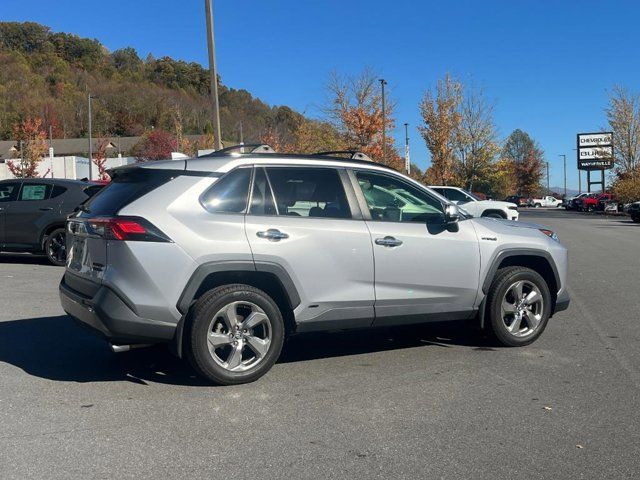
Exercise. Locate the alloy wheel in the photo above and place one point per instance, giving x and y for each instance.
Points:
(522, 308)
(57, 247)
(239, 336)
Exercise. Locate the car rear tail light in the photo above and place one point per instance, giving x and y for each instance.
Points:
(125, 229)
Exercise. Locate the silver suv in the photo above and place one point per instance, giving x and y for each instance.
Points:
(224, 256)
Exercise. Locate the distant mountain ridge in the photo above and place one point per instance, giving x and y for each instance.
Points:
(48, 75)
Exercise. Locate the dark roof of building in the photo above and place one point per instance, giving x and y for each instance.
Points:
(79, 146)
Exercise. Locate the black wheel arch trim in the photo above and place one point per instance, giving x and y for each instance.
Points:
(492, 211)
(206, 269)
(516, 252)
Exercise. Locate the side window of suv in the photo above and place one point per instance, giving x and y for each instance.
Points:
(391, 199)
(9, 191)
(300, 192)
(228, 194)
(34, 191)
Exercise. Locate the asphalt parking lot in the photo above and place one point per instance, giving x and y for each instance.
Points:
(434, 402)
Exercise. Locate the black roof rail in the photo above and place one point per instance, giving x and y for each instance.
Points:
(241, 148)
(353, 155)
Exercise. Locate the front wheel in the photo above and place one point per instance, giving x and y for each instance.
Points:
(235, 334)
(518, 306)
(537, 205)
(55, 247)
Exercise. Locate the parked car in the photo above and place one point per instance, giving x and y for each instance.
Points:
(593, 201)
(546, 201)
(605, 200)
(255, 247)
(571, 203)
(477, 207)
(519, 200)
(33, 213)
(634, 211)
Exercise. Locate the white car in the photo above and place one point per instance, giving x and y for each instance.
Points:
(477, 207)
(547, 201)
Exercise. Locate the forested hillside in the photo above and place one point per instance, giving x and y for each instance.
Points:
(48, 75)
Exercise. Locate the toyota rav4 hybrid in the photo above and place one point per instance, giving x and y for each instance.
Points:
(224, 256)
(476, 207)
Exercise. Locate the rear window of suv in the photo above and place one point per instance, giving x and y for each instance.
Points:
(125, 188)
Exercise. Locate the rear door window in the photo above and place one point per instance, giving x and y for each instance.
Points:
(34, 192)
(308, 192)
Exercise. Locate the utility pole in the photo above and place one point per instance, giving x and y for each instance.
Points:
(90, 142)
(383, 82)
(213, 74)
(564, 162)
(579, 181)
(407, 160)
(548, 187)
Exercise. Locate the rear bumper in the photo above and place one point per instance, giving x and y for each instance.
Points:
(562, 302)
(109, 315)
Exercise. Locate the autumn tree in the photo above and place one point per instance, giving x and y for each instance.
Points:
(32, 140)
(100, 158)
(440, 123)
(527, 160)
(155, 145)
(475, 141)
(355, 110)
(623, 114)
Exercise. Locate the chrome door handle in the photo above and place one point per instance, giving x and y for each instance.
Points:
(388, 241)
(272, 234)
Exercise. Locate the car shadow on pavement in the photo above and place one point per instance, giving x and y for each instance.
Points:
(354, 342)
(56, 348)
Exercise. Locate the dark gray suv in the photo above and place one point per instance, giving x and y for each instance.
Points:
(33, 213)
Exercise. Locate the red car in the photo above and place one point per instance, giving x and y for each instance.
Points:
(596, 201)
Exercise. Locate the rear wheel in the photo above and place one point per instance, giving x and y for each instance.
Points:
(235, 334)
(537, 205)
(55, 247)
(518, 306)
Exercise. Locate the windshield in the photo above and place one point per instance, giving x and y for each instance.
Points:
(456, 195)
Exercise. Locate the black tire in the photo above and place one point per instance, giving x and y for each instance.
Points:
(537, 205)
(635, 219)
(55, 247)
(504, 279)
(494, 215)
(199, 322)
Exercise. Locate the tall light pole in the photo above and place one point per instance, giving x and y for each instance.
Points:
(383, 82)
(213, 73)
(548, 187)
(407, 160)
(564, 163)
(89, 97)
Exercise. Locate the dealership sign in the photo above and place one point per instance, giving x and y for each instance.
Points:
(595, 151)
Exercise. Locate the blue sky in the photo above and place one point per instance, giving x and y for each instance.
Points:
(546, 64)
